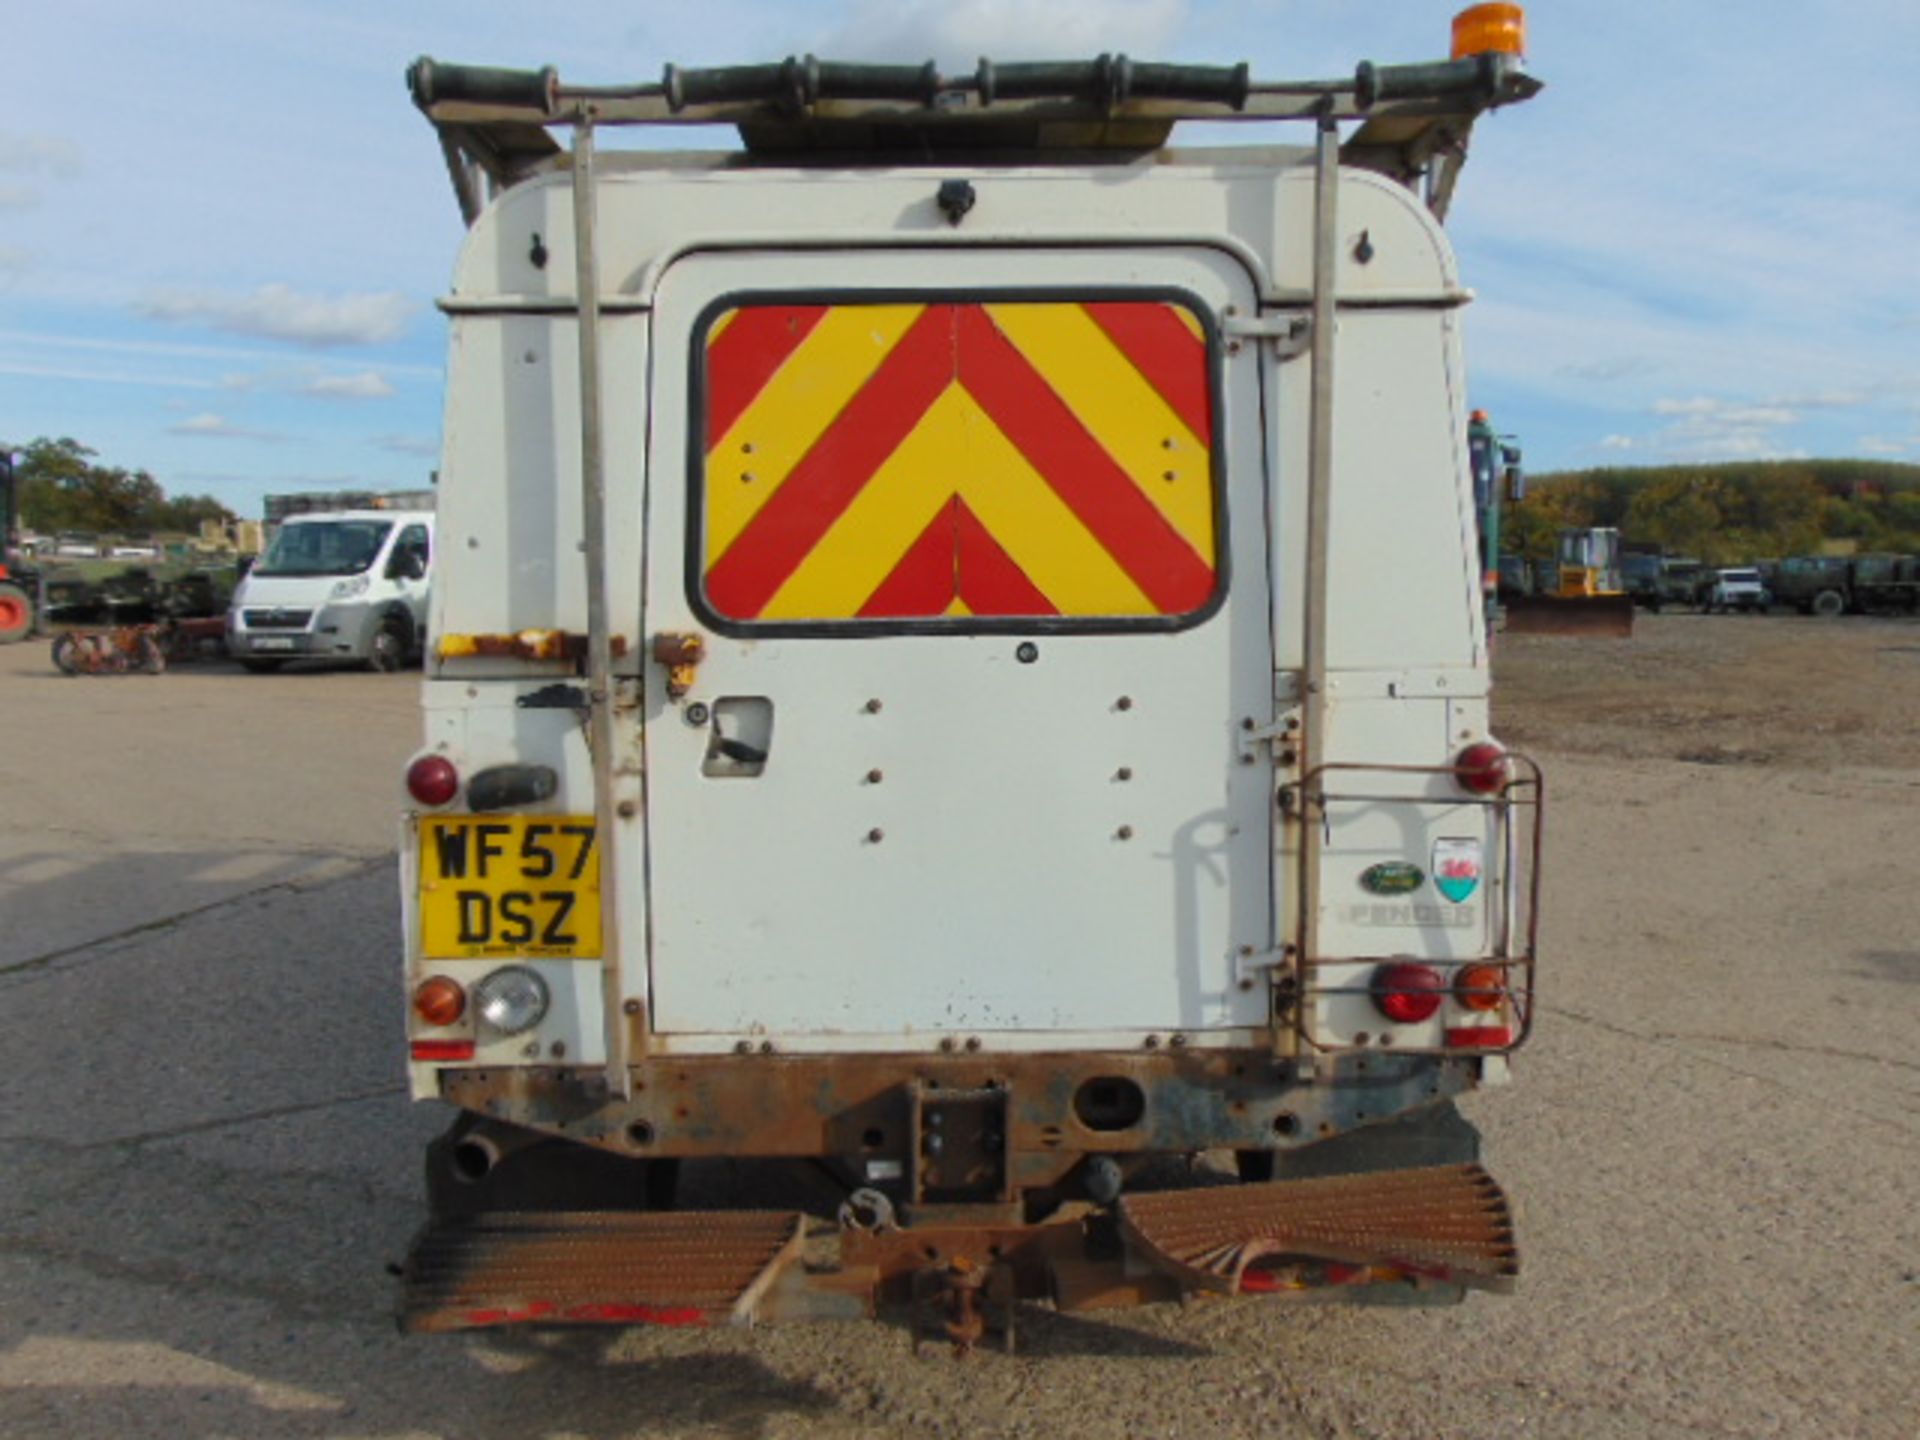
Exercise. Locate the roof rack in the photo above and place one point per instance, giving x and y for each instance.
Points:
(493, 123)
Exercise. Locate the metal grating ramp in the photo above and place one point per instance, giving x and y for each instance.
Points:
(596, 1267)
(1445, 1223)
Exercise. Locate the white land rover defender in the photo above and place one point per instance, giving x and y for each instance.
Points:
(959, 664)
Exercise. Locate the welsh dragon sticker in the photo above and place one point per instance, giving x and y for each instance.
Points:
(1456, 868)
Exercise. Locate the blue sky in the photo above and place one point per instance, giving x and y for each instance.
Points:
(222, 225)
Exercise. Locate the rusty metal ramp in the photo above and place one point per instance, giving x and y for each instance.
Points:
(1447, 1223)
(596, 1267)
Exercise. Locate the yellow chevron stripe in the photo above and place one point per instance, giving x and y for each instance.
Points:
(804, 396)
(889, 514)
(957, 449)
(1143, 434)
(1037, 530)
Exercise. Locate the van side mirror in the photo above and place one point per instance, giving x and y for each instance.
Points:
(408, 565)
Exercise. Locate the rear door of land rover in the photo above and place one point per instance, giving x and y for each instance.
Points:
(976, 546)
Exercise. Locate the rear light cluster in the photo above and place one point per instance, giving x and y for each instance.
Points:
(1407, 993)
(1483, 768)
(433, 781)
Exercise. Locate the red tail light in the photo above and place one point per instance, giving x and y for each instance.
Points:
(443, 1049)
(1408, 994)
(432, 780)
(1480, 1037)
(1482, 768)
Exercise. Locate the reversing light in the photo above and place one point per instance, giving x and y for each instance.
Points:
(1480, 987)
(510, 1000)
(1481, 28)
(1407, 994)
(432, 780)
(1482, 768)
(439, 1001)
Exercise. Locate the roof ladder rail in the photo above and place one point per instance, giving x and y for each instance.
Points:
(593, 502)
(1313, 740)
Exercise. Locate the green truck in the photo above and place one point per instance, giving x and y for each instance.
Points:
(1832, 585)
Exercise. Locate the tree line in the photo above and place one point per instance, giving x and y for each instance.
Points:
(62, 488)
(1726, 514)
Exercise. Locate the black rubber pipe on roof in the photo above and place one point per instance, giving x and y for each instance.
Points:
(432, 81)
(1432, 81)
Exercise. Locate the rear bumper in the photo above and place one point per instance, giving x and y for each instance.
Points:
(1049, 1111)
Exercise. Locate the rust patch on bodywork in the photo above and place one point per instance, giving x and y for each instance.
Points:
(524, 645)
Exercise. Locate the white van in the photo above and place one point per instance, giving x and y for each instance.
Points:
(352, 585)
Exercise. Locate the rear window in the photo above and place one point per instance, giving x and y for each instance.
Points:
(961, 464)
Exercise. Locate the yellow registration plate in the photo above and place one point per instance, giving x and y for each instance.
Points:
(509, 885)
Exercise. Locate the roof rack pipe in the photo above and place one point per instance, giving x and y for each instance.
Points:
(1108, 81)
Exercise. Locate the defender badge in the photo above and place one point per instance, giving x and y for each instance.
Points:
(1456, 868)
(1392, 877)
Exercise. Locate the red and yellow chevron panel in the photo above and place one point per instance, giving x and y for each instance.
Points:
(1021, 459)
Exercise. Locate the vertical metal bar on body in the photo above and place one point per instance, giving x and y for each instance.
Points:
(1326, 182)
(593, 507)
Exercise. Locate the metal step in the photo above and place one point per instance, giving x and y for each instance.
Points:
(1446, 1223)
(596, 1267)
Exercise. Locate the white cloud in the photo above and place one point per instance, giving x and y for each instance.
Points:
(956, 32)
(217, 427)
(279, 312)
(17, 198)
(1888, 444)
(39, 371)
(1617, 442)
(366, 385)
(25, 154)
(13, 259)
(424, 445)
(1707, 426)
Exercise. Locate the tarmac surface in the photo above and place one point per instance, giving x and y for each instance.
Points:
(207, 1159)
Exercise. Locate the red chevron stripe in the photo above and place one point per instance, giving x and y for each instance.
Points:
(1041, 426)
(956, 555)
(833, 472)
(747, 354)
(990, 582)
(1166, 353)
(923, 583)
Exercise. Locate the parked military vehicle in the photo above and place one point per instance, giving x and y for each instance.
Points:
(1832, 585)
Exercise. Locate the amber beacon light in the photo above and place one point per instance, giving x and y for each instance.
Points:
(1481, 28)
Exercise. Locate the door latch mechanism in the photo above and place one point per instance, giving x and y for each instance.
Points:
(681, 655)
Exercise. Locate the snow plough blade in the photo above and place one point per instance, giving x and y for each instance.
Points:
(1602, 616)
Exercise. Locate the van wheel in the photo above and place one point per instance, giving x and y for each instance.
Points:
(389, 652)
(261, 667)
(1829, 603)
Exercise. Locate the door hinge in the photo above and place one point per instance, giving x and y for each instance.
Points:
(1291, 335)
(1283, 733)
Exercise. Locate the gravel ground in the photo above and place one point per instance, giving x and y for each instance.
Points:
(206, 1158)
